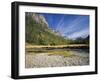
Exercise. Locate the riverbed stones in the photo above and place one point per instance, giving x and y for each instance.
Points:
(45, 60)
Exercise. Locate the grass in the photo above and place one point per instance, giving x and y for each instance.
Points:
(62, 52)
(57, 46)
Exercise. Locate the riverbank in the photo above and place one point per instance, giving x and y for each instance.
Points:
(46, 60)
(58, 46)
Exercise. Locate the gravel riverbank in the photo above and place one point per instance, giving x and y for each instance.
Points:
(45, 60)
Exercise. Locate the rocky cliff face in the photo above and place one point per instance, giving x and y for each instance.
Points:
(38, 18)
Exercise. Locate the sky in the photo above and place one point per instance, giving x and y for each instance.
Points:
(69, 25)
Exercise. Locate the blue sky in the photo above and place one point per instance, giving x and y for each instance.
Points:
(69, 26)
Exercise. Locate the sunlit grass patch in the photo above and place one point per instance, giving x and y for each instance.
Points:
(61, 52)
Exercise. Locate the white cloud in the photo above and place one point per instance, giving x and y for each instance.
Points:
(83, 33)
(60, 24)
(71, 26)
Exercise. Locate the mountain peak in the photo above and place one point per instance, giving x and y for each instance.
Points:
(38, 18)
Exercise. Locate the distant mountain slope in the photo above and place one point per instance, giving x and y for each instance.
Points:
(82, 40)
(38, 32)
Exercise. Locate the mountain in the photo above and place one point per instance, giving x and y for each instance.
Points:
(38, 31)
(81, 40)
(86, 40)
